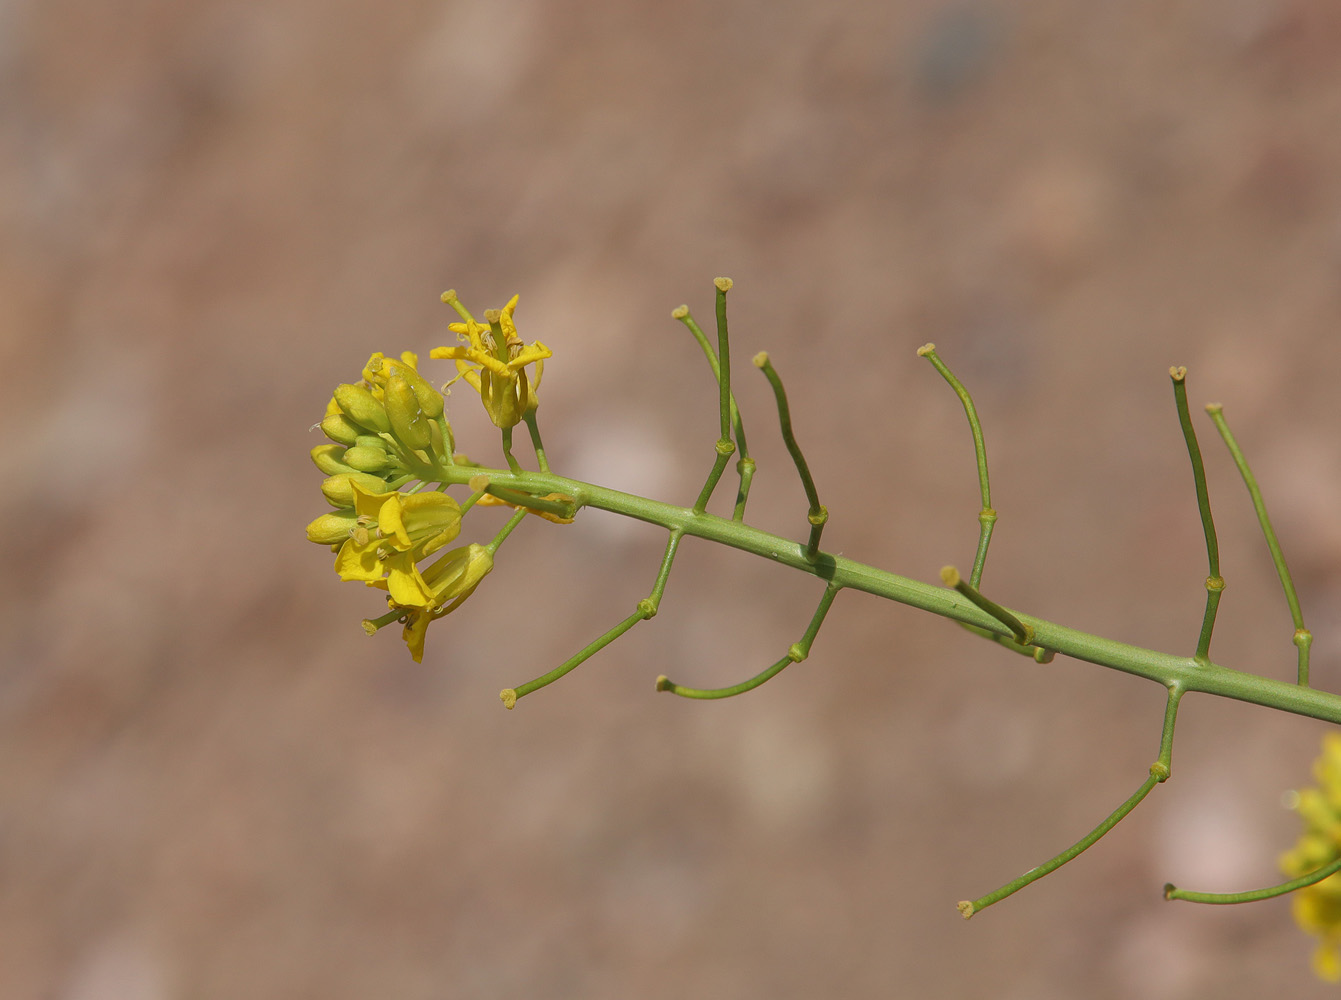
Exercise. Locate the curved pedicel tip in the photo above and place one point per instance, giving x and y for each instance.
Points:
(509, 698)
(1178, 373)
(723, 284)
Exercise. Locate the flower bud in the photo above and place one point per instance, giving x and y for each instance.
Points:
(362, 407)
(362, 458)
(338, 427)
(333, 528)
(328, 458)
(339, 490)
(406, 416)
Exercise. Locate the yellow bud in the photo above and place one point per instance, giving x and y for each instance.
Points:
(429, 399)
(328, 459)
(407, 418)
(339, 490)
(338, 427)
(331, 528)
(362, 407)
(361, 458)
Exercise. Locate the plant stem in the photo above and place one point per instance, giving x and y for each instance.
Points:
(987, 516)
(1166, 669)
(1215, 583)
(1303, 639)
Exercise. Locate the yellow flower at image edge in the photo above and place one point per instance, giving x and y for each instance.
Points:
(452, 579)
(1317, 908)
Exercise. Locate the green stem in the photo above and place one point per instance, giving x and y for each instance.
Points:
(647, 608)
(745, 466)
(818, 513)
(987, 516)
(1173, 892)
(1163, 668)
(795, 654)
(507, 450)
(1020, 632)
(970, 907)
(506, 530)
(1215, 583)
(1303, 639)
(536, 443)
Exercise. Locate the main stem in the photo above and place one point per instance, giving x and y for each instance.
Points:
(1165, 668)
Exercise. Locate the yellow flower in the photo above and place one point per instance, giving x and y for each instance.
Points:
(450, 580)
(493, 360)
(393, 532)
(1317, 908)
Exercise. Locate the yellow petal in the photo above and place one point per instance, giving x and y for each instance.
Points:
(413, 633)
(405, 584)
(357, 561)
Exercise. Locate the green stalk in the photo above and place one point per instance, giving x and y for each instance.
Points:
(797, 652)
(1173, 892)
(1215, 583)
(987, 516)
(1166, 669)
(818, 513)
(1303, 638)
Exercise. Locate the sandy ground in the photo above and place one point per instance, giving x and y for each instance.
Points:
(213, 785)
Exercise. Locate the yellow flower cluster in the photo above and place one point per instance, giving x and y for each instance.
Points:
(389, 431)
(1317, 908)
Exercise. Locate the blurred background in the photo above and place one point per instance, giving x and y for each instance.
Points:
(214, 785)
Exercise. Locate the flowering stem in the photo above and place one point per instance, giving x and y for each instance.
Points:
(1303, 639)
(1166, 669)
(1215, 583)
